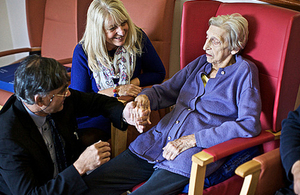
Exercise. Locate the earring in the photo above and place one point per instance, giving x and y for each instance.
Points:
(233, 52)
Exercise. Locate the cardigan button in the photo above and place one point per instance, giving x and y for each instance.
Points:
(177, 122)
(222, 72)
(169, 138)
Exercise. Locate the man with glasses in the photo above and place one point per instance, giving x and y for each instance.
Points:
(39, 150)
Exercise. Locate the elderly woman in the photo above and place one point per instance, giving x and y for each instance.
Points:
(112, 47)
(217, 98)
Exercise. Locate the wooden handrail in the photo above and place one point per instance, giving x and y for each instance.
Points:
(291, 4)
(20, 50)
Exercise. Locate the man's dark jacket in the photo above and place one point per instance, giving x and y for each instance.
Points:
(25, 163)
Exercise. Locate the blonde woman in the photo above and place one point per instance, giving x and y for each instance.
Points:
(114, 58)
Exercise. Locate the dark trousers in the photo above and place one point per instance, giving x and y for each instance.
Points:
(126, 171)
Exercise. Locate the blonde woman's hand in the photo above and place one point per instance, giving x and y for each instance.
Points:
(129, 90)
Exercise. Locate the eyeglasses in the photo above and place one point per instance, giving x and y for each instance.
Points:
(66, 93)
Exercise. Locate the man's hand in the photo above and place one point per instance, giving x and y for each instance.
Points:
(137, 113)
(92, 157)
(296, 174)
(174, 148)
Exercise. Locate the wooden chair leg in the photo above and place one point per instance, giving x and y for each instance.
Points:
(200, 161)
(118, 141)
(196, 181)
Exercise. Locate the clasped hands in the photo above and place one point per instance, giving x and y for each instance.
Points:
(137, 112)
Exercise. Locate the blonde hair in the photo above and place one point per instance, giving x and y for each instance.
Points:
(236, 26)
(94, 38)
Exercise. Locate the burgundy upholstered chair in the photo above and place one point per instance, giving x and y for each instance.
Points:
(273, 46)
(54, 27)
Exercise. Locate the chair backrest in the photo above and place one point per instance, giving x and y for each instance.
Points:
(273, 46)
(56, 26)
(155, 17)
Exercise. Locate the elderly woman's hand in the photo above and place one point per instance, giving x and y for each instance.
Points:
(142, 105)
(174, 148)
(142, 102)
(137, 113)
(129, 90)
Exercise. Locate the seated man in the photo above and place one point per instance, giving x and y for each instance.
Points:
(217, 98)
(39, 152)
(290, 149)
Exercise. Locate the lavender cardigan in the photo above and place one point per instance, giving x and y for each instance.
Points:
(228, 107)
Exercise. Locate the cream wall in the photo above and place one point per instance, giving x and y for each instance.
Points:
(13, 33)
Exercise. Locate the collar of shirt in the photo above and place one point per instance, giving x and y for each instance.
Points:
(38, 120)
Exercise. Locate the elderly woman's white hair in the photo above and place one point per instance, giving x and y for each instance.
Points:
(237, 28)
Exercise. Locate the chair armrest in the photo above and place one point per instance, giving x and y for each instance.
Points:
(250, 172)
(126, 99)
(264, 174)
(20, 50)
(65, 61)
(238, 144)
(212, 154)
(248, 168)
